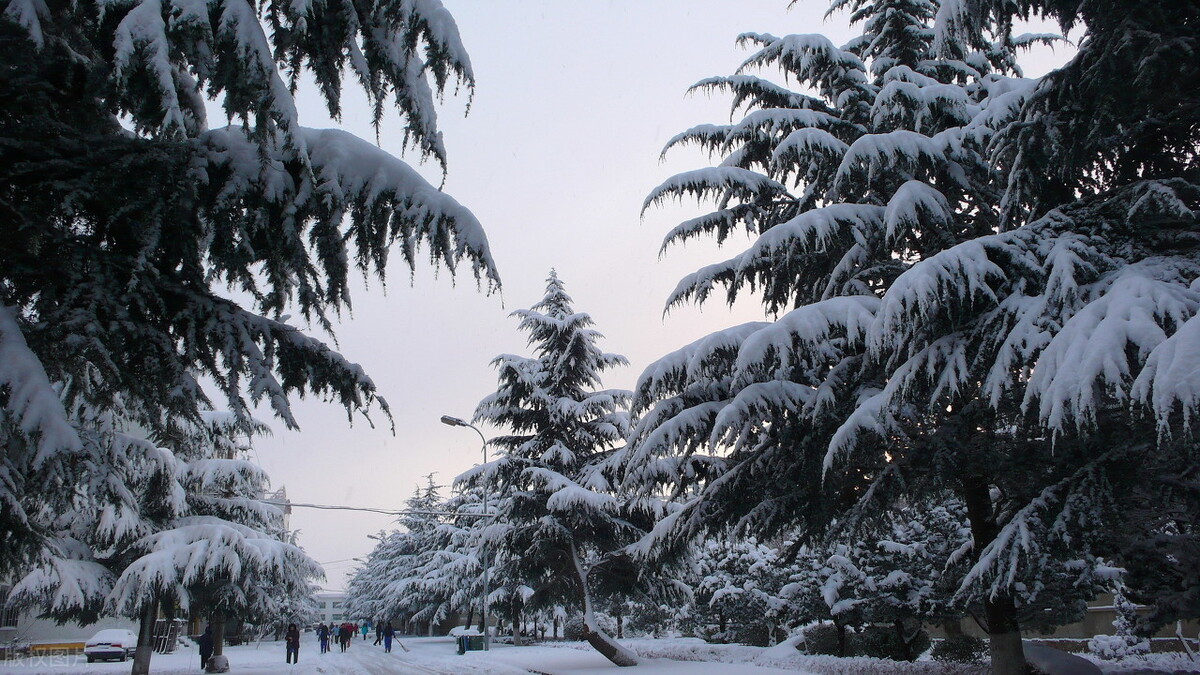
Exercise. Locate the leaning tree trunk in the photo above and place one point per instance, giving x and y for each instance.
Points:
(1000, 610)
(598, 639)
(145, 643)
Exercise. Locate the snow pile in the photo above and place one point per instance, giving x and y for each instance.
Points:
(696, 650)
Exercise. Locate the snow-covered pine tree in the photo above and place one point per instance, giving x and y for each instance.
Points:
(227, 554)
(427, 572)
(125, 489)
(843, 190)
(559, 528)
(1068, 333)
(736, 586)
(120, 248)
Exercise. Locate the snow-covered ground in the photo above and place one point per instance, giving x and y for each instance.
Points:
(438, 656)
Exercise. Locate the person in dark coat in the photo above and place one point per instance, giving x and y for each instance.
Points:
(378, 632)
(323, 637)
(388, 634)
(292, 639)
(205, 645)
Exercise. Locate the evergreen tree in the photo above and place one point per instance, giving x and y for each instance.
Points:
(196, 537)
(1088, 313)
(1025, 359)
(427, 572)
(123, 249)
(845, 192)
(558, 529)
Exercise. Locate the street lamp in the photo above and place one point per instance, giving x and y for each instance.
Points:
(456, 422)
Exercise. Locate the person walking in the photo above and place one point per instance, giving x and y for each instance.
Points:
(323, 636)
(344, 634)
(204, 645)
(378, 632)
(292, 640)
(388, 634)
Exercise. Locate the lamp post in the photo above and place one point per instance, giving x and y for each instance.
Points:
(456, 422)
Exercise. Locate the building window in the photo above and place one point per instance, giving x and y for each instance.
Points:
(8, 616)
(336, 605)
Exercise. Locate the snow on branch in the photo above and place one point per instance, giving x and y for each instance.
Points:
(720, 183)
(755, 92)
(805, 147)
(916, 206)
(907, 153)
(673, 373)
(753, 407)
(1171, 376)
(568, 497)
(66, 582)
(810, 58)
(31, 401)
(804, 336)
(934, 288)
(1101, 347)
(709, 137)
(385, 199)
(778, 122)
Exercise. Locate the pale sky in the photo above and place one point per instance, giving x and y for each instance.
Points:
(574, 102)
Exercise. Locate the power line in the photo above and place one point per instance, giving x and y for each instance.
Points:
(386, 512)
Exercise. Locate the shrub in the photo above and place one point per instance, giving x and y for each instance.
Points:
(1116, 647)
(882, 642)
(573, 628)
(821, 638)
(960, 649)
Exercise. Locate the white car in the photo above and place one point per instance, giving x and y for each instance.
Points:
(110, 643)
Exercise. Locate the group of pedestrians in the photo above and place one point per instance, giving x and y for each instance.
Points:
(344, 633)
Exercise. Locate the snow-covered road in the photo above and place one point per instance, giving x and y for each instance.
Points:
(428, 656)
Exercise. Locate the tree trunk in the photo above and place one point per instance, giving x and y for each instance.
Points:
(145, 643)
(470, 617)
(515, 609)
(218, 632)
(841, 633)
(1000, 611)
(905, 641)
(598, 639)
(1008, 657)
(620, 631)
(556, 628)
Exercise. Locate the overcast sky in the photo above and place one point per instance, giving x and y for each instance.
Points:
(574, 102)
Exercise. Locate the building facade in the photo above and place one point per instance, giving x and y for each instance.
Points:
(332, 606)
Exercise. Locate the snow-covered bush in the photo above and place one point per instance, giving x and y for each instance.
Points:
(1115, 647)
(960, 648)
(1123, 642)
